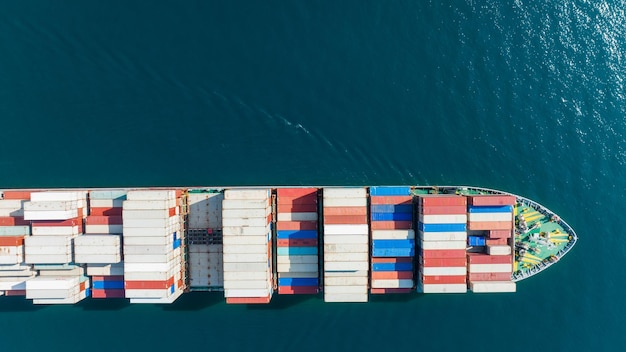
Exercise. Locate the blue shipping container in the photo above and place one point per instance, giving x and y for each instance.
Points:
(390, 191)
(393, 252)
(176, 243)
(476, 240)
(105, 285)
(296, 250)
(392, 266)
(392, 208)
(492, 209)
(442, 227)
(301, 281)
(88, 292)
(119, 194)
(392, 216)
(393, 243)
(296, 234)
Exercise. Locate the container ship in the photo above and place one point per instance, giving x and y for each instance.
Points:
(342, 244)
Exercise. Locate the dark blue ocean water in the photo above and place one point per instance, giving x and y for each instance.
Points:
(523, 96)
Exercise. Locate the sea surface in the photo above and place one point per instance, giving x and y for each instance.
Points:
(523, 96)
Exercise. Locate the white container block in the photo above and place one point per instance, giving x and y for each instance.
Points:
(263, 292)
(490, 268)
(443, 219)
(246, 213)
(346, 239)
(262, 230)
(114, 269)
(398, 283)
(426, 245)
(443, 236)
(57, 196)
(106, 203)
(345, 202)
(346, 248)
(444, 271)
(50, 214)
(444, 288)
(98, 240)
(248, 284)
(54, 230)
(296, 259)
(293, 275)
(345, 289)
(148, 204)
(152, 194)
(97, 258)
(345, 257)
(244, 240)
(147, 250)
(289, 267)
(499, 250)
(348, 266)
(303, 216)
(344, 192)
(346, 297)
(245, 258)
(246, 276)
(247, 194)
(490, 217)
(246, 267)
(362, 229)
(245, 204)
(345, 281)
(393, 234)
(492, 286)
(255, 222)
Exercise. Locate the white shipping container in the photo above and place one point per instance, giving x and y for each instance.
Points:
(246, 276)
(303, 216)
(149, 276)
(345, 289)
(14, 230)
(95, 250)
(45, 241)
(444, 271)
(345, 257)
(147, 250)
(50, 214)
(245, 258)
(113, 269)
(149, 241)
(490, 217)
(48, 258)
(443, 288)
(148, 231)
(99, 229)
(13, 284)
(45, 283)
(165, 300)
(443, 236)
(71, 271)
(164, 222)
(246, 267)
(57, 196)
(393, 234)
(248, 284)
(348, 266)
(97, 258)
(291, 267)
(346, 239)
(443, 219)
(344, 192)
(358, 273)
(151, 258)
(97, 240)
(346, 248)
(244, 240)
(246, 248)
(11, 212)
(51, 293)
(345, 297)
(399, 283)
(262, 230)
(48, 249)
(106, 203)
(490, 268)
(291, 275)
(492, 286)
(296, 259)
(148, 204)
(54, 230)
(146, 214)
(256, 222)
(50, 206)
(146, 267)
(345, 281)
(247, 194)
(499, 250)
(147, 293)
(426, 245)
(12, 204)
(345, 202)
(152, 194)
(245, 204)
(247, 293)
(361, 229)
(246, 213)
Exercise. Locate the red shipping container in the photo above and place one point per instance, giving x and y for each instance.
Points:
(489, 225)
(345, 219)
(179, 193)
(490, 277)
(99, 211)
(443, 253)
(378, 291)
(82, 285)
(248, 300)
(296, 243)
(454, 279)
(310, 199)
(500, 234)
(391, 199)
(52, 223)
(108, 278)
(391, 225)
(444, 210)
(295, 192)
(296, 208)
(443, 262)
(335, 211)
(436, 200)
(497, 242)
(104, 220)
(179, 284)
(15, 293)
(107, 293)
(172, 211)
(298, 290)
(149, 285)
(392, 260)
(482, 258)
(11, 241)
(491, 199)
(391, 275)
(16, 195)
(296, 225)
(13, 221)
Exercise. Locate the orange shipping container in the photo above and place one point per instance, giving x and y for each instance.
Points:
(335, 211)
(482, 258)
(391, 225)
(13, 221)
(310, 199)
(444, 210)
(11, 241)
(442, 200)
(491, 199)
(497, 242)
(391, 200)
(490, 276)
(296, 225)
(149, 285)
(390, 290)
(98, 211)
(392, 260)
(345, 219)
(391, 275)
(443, 262)
(15, 293)
(16, 195)
(104, 220)
(455, 279)
(295, 192)
(296, 208)
(490, 225)
(500, 234)
(248, 300)
(443, 253)
(52, 223)
(296, 243)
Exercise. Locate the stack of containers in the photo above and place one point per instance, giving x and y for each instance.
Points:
(56, 220)
(491, 216)
(13, 228)
(443, 235)
(297, 241)
(101, 245)
(393, 249)
(246, 220)
(153, 262)
(346, 245)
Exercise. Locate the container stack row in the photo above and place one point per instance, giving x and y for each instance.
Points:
(346, 245)
(297, 241)
(57, 219)
(153, 260)
(442, 226)
(490, 221)
(393, 240)
(13, 229)
(101, 246)
(247, 238)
